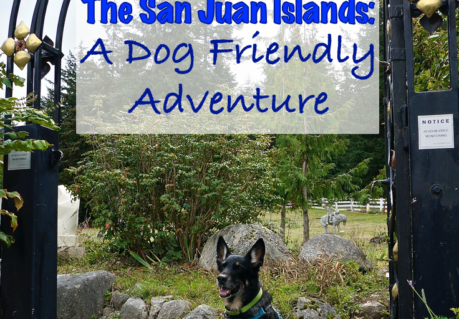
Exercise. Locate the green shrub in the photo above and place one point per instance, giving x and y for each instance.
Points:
(166, 193)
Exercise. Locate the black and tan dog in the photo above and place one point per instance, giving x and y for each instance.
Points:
(239, 285)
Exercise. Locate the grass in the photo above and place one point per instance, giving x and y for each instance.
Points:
(360, 225)
(341, 285)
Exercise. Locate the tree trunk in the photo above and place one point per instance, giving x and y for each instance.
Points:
(305, 207)
(283, 213)
(305, 218)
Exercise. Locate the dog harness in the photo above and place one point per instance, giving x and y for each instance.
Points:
(247, 307)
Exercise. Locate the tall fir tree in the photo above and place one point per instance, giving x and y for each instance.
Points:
(72, 145)
(305, 165)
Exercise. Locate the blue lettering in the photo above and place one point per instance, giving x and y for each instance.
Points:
(150, 101)
(93, 51)
(130, 59)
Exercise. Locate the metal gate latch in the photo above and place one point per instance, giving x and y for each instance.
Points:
(56, 158)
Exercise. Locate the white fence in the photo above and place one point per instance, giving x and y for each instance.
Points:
(353, 206)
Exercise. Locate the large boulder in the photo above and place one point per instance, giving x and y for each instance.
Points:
(134, 308)
(240, 238)
(82, 295)
(313, 309)
(174, 309)
(202, 312)
(333, 245)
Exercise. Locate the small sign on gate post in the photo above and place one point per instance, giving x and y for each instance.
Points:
(19, 160)
(436, 131)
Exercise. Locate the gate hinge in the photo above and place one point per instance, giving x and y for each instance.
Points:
(56, 158)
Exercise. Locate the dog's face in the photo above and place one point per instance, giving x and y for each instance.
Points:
(238, 273)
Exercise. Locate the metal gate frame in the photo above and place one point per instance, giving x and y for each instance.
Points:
(29, 266)
(423, 207)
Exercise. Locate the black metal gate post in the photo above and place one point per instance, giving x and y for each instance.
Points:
(422, 137)
(397, 151)
(29, 266)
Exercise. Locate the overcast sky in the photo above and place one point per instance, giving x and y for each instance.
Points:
(52, 17)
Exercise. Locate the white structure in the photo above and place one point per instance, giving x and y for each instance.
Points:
(352, 206)
(67, 220)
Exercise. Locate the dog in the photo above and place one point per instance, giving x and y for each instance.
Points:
(240, 287)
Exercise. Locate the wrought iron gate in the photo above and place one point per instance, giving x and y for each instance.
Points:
(29, 266)
(422, 166)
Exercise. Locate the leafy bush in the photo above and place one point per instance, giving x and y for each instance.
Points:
(166, 193)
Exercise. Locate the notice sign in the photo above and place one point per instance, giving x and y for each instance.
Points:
(19, 160)
(436, 131)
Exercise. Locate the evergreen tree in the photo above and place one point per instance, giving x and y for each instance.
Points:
(305, 166)
(72, 145)
(120, 84)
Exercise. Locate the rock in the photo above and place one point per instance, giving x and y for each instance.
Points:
(313, 309)
(333, 245)
(71, 252)
(76, 252)
(156, 304)
(174, 309)
(202, 312)
(82, 295)
(108, 313)
(371, 310)
(118, 299)
(240, 239)
(134, 308)
(62, 252)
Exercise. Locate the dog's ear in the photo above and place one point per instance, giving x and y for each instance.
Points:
(222, 250)
(257, 253)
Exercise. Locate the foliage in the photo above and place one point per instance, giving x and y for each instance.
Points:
(423, 298)
(304, 168)
(166, 193)
(431, 60)
(70, 143)
(328, 271)
(365, 195)
(362, 147)
(13, 110)
(120, 85)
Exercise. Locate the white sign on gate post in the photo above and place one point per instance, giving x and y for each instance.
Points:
(19, 160)
(436, 131)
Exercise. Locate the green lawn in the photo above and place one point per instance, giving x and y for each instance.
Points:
(359, 226)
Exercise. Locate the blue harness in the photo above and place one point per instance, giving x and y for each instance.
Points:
(261, 313)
